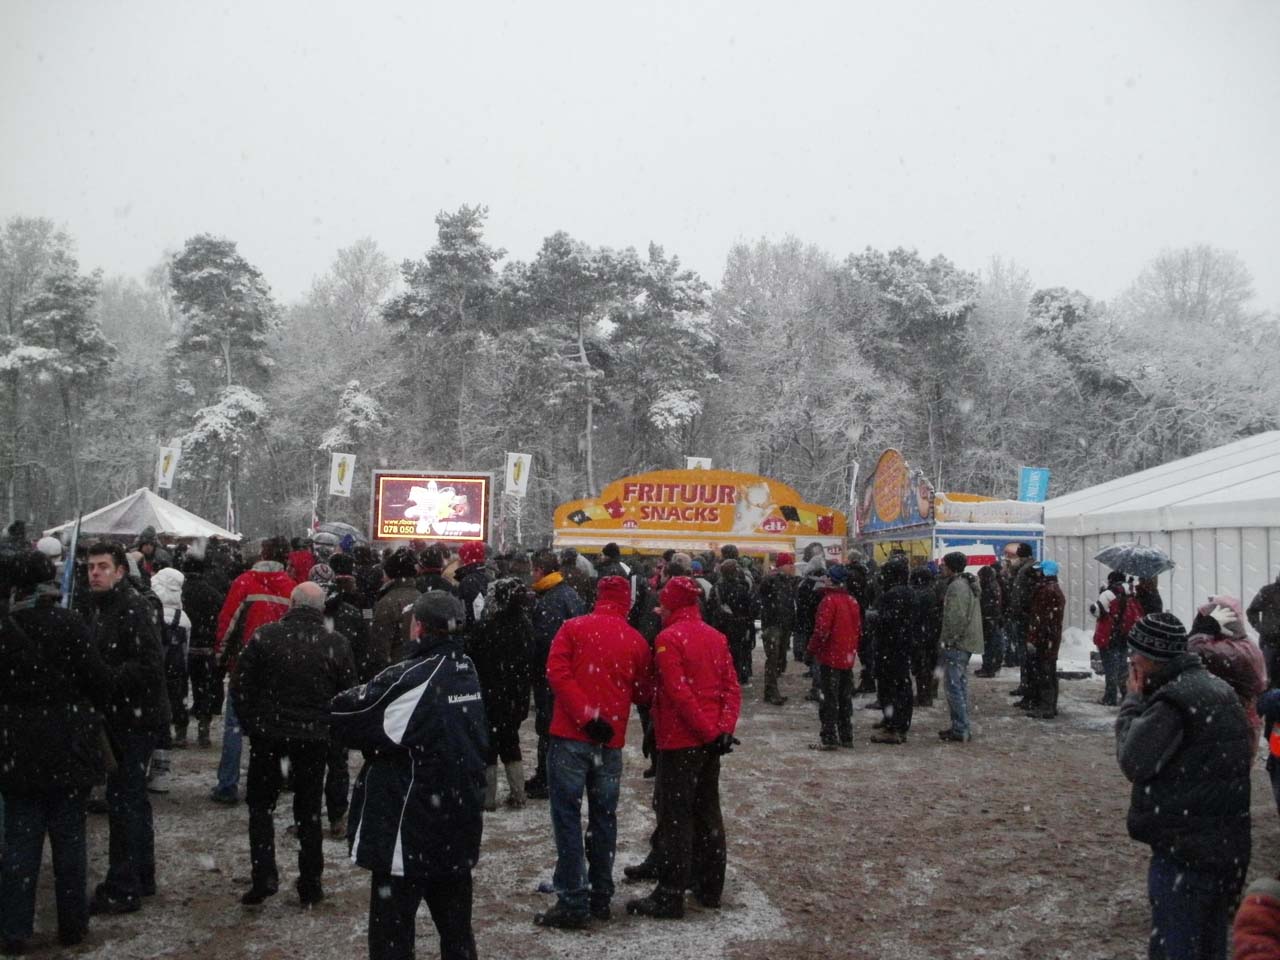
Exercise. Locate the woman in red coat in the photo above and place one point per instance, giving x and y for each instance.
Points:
(837, 631)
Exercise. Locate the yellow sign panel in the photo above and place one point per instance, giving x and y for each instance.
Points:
(713, 504)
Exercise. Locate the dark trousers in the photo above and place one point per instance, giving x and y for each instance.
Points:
(1042, 678)
(131, 850)
(775, 658)
(835, 706)
(924, 665)
(1015, 651)
(543, 706)
(307, 762)
(1115, 671)
(200, 668)
(690, 837)
(28, 817)
(740, 650)
(1191, 911)
(337, 782)
(175, 676)
(896, 697)
(393, 905)
(867, 654)
(504, 741)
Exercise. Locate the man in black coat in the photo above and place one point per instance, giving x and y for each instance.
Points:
(123, 628)
(555, 603)
(893, 621)
(202, 602)
(281, 690)
(431, 576)
(777, 592)
(1183, 741)
(52, 685)
(417, 818)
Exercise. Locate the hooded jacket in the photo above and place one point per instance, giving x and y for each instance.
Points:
(167, 585)
(962, 615)
(498, 644)
(202, 602)
(598, 666)
(837, 630)
(556, 603)
(1044, 619)
(266, 579)
(1231, 656)
(416, 810)
(697, 697)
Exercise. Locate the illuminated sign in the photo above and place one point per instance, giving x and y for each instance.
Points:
(451, 507)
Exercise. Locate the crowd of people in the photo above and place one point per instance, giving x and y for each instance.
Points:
(429, 661)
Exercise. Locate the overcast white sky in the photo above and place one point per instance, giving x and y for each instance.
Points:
(1078, 138)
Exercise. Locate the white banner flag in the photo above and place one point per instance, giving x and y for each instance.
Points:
(167, 466)
(697, 463)
(342, 471)
(519, 466)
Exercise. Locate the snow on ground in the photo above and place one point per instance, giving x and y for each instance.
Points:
(1009, 847)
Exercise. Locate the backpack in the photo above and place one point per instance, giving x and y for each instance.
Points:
(172, 632)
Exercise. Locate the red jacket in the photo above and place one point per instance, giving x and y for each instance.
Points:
(300, 564)
(837, 629)
(697, 696)
(266, 578)
(1256, 933)
(598, 666)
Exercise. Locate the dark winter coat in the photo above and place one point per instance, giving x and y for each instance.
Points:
(777, 594)
(731, 607)
(926, 611)
(584, 585)
(345, 619)
(1017, 607)
(202, 602)
(416, 810)
(992, 596)
(435, 580)
(894, 630)
(473, 584)
(51, 688)
(392, 619)
(556, 602)
(807, 600)
(368, 583)
(1185, 746)
(1264, 613)
(124, 630)
(499, 646)
(1044, 623)
(1148, 595)
(859, 584)
(287, 675)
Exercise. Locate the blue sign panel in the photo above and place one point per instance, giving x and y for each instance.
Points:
(1033, 484)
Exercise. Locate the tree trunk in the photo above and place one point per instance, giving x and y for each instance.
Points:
(589, 444)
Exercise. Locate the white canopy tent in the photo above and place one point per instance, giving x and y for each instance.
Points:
(141, 509)
(1217, 515)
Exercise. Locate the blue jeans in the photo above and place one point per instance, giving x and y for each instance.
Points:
(574, 767)
(1115, 671)
(131, 849)
(60, 814)
(1190, 911)
(232, 744)
(956, 663)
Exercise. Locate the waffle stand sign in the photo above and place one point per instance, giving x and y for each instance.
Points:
(895, 496)
(449, 507)
(696, 510)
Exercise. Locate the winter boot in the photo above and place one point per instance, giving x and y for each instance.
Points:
(491, 788)
(660, 905)
(515, 784)
(179, 736)
(646, 869)
(535, 788)
(158, 775)
(202, 734)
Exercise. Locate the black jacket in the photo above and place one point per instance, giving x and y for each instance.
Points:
(1264, 613)
(499, 646)
(550, 610)
(894, 630)
(731, 607)
(807, 600)
(1187, 749)
(288, 673)
(202, 602)
(346, 620)
(473, 580)
(435, 580)
(124, 630)
(416, 807)
(51, 688)
(777, 594)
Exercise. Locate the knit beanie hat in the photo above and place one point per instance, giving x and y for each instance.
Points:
(321, 573)
(680, 592)
(471, 552)
(1160, 636)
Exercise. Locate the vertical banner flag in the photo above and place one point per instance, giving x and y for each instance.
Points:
(1033, 484)
(69, 568)
(697, 463)
(342, 471)
(519, 466)
(230, 523)
(167, 466)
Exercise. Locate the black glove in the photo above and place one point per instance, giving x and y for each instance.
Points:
(599, 730)
(725, 743)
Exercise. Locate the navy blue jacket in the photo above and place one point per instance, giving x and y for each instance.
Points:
(416, 810)
(553, 607)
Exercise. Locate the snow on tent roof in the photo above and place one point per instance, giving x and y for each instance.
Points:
(142, 508)
(1236, 485)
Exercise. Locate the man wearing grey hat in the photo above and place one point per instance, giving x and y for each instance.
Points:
(1183, 741)
(416, 810)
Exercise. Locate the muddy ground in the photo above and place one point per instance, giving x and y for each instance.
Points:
(1012, 846)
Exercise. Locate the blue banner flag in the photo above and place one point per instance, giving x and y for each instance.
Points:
(1033, 484)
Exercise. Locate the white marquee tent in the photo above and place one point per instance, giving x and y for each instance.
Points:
(1217, 515)
(141, 509)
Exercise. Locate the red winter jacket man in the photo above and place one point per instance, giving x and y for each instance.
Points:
(837, 629)
(266, 579)
(695, 711)
(598, 666)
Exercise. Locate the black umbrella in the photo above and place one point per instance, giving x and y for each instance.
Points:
(1139, 560)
